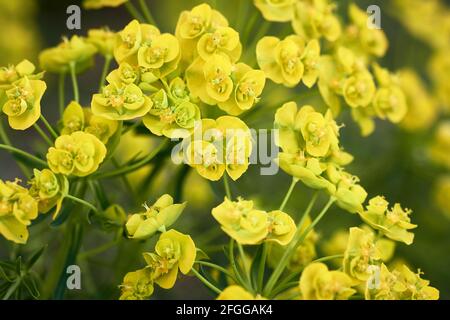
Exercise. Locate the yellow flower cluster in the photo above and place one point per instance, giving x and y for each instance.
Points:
(247, 225)
(174, 252)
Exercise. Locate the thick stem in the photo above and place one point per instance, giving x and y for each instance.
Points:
(226, 185)
(147, 13)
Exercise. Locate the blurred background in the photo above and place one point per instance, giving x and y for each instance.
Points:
(409, 163)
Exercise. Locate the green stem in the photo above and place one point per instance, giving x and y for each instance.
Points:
(262, 267)
(12, 289)
(24, 154)
(147, 13)
(98, 250)
(133, 11)
(49, 127)
(244, 263)
(43, 134)
(133, 167)
(234, 267)
(76, 93)
(327, 258)
(105, 70)
(206, 282)
(61, 91)
(298, 239)
(227, 186)
(83, 202)
(288, 194)
(219, 268)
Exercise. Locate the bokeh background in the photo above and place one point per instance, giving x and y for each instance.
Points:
(394, 161)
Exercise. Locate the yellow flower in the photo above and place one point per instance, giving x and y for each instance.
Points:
(111, 219)
(224, 40)
(123, 102)
(249, 84)
(173, 118)
(224, 146)
(281, 59)
(281, 227)
(49, 190)
(78, 154)
(192, 25)
(23, 106)
(74, 50)
(235, 292)
(241, 221)
(75, 118)
(416, 287)
(125, 74)
(17, 209)
(131, 38)
(174, 251)
(137, 285)
(161, 215)
(359, 89)
(210, 80)
(393, 223)
(98, 4)
(318, 283)
(310, 59)
(161, 55)
(315, 19)
(385, 286)
(103, 39)
(12, 74)
(276, 10)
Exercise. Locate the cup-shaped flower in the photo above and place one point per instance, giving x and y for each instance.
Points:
(125, 74)
(319, 283)
(278, 10)
(137, 285)
(390, 103)
(249, 84)
(161, 55)
(174, 251)
(223, 40)
(78, 154)
(219, 145)
(360, 254)
(49, 190)
(359, 89)
(23, 105)
(281, 228)
(310, 59)
(394, 223)
(75, 118)
(17, 209)
(416, 287)
(103, 39)
(174, 118)
(75, 50)
(387, 286)
(210, 80)
(157, 217)
(281, 60)
(120, 102)
(11, 74)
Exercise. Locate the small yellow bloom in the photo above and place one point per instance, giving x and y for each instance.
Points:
(103, 39)
(161, 215)
(235, 292)
(23, 106)
(17, 209)
(174, 251)
(281, 60)
(78, 154)
(394, 223)
(74, 50)
(137, 285)
(318, 283)
(276, 10)
(12, 74)
(49, 190)
(224, 40)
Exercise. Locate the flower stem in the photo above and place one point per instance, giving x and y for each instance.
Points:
(206, 282)
(43, 134)
(105, 70)
(219, 268)
(83, 202)
(49, 127)
(288, 194)
(235, 267)
(76, 94)
(4, 137)
(298, 239)
(227, 186)
(98, 250)
(133, 11)
(61, 91)
(327, 258)
(262, 267)
(147, 13)
(24, 154)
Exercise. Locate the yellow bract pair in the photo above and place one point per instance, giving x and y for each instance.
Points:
(174, 252)
(247, 225)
